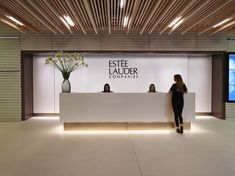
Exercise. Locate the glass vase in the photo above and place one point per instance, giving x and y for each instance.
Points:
(66, 87)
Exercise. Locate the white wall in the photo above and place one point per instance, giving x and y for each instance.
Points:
(152, 68)
(200, 81)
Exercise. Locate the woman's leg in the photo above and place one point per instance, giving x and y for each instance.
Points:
(176, 113)
(180, 109)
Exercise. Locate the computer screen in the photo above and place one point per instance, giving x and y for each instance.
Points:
(231, 80)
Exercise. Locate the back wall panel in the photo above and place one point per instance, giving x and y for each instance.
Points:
(152, 68)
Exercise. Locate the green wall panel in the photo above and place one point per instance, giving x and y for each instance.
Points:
(10, 75)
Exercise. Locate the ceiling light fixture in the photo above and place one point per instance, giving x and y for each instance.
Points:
(69, 20)
(174, 21)
(65, 23)
(12, 25)
(125, 21)
(177, 24)
(122, 3)
(15, 20)
(222, 22)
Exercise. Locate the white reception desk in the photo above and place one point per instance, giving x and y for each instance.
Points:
(80, 108)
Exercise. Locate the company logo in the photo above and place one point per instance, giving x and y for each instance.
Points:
(119, 69)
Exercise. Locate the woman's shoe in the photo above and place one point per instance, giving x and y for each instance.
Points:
(177, 130)
(181, 129)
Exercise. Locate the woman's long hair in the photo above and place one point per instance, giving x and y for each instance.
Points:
(106, 88)
(152, 88)
(179, 83)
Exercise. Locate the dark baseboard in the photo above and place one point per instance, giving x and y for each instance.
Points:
(203, 114)
(46, 114)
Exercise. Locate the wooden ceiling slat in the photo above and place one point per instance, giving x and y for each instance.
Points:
(36, 15)
(133, 14)
(149, 16)
(117, 14)
(126, 13)
(50, 13)
(193, 13)
(68, 11)
(21, 12)
(164, 13)
(10, 13)
(82, 13)
(101, 14)
(43, 13)
(4, 20)
(87, 7)
(122, 14)
(95, 12)
(157, 14)
(109, 16)
(224, 14)
(77, 19)
(143, 13)
(139, 12)
(114, 14)
(217, 9)
(229, 25)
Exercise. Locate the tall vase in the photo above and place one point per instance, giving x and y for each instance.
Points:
(66, 87)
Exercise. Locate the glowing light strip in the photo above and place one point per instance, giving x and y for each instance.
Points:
(222, 22)
(69, 20)
(125, 21)
(15, 20)
(122, 3)
(177, 24)
(12, 25)
(65, 23)
(9, 37)
(174, 21)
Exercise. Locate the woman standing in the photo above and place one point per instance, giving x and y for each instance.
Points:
(178, 89)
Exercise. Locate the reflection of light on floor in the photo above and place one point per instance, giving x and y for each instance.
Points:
(204, 117)
(197, 129)
(45, 118)
(60, 130)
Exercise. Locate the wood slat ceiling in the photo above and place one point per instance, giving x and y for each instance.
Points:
(107, 16)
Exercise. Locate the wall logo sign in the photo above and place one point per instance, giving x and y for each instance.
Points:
(119, 69)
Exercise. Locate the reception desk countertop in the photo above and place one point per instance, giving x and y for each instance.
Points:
(122, 107)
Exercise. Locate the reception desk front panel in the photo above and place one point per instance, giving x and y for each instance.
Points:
(122, 107)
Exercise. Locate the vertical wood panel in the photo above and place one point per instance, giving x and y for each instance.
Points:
(218, 85)
(27, 86)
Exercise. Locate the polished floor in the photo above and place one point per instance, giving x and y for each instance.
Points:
(39, 147)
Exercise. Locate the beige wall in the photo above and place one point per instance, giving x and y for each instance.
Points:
(126, 42)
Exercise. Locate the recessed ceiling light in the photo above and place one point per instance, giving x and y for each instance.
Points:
(15, 20)
(174, 21)
(69, 20)
(177, 24)
(125, 21)
(222, 22)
